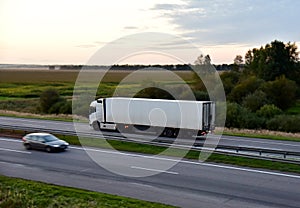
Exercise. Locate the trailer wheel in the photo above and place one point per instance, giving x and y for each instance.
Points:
(96, 126)
(169, 132)
(176, 133)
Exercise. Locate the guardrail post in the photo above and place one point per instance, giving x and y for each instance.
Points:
(284, 155)
(260, 152)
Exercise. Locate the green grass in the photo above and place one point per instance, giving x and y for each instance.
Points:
(6, 98)
(19, 193)
(33, 90)
(25, 105)
(294, 110)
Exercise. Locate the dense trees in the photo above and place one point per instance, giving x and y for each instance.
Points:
(259, 94)
(273, 60)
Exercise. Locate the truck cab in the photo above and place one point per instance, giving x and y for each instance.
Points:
(96, 113)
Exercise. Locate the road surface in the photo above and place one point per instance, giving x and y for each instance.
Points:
(187, 184)
(225, 140)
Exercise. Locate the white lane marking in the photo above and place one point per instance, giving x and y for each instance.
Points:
(192, 162)
(154, 170)
(12, 150)
(143, 185)
(10, 140)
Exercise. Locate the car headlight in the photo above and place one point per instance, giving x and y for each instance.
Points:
(56, 145)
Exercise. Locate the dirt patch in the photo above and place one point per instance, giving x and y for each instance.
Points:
(259, 132)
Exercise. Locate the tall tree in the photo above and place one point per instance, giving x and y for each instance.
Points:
(273, 60)
(203, 60)
(238, 60)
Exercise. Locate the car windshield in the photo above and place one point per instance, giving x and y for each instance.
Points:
(50, 138)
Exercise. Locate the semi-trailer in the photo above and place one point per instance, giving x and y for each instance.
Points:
(159, 116)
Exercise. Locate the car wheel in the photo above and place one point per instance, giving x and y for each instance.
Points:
(48, 149)
(27, 146)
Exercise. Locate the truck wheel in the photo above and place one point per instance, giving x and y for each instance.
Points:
(96, 126)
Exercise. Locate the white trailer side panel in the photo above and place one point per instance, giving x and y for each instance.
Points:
(155, 112)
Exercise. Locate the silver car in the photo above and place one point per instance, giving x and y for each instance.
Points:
(44, 141)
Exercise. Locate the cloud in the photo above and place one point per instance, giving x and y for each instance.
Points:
(166, 7)
(235, 21)
(130, 28)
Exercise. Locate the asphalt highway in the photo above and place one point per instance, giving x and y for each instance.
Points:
(225, 140)
(186, 184)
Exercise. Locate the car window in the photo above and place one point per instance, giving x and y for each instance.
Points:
(40, 139)
(33, 138)
(50, 138)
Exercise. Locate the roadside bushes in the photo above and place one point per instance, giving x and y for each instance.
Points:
(287, 123)
(241, 117)
(268, 111)
(255, 100)
(51, 102)
(267, 117)
(281, 92)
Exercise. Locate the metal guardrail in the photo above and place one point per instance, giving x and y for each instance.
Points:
(220, 149)
(260, 150)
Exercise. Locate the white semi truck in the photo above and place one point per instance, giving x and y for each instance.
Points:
(159, 116)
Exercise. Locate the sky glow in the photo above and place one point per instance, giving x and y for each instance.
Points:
(70, 32)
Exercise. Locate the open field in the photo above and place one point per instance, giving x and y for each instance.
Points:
(70, 76)
(20, 89)
(30, 83)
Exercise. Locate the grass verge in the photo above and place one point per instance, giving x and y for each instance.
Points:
(20, 193)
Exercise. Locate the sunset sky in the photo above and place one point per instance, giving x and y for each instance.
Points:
(70, 32)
